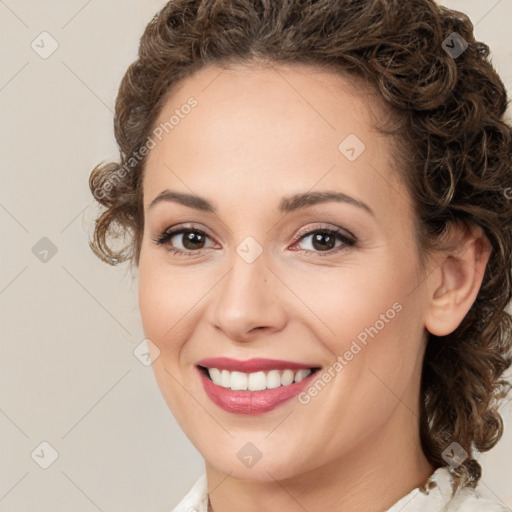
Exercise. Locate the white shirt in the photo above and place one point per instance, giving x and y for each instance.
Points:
(438, 499)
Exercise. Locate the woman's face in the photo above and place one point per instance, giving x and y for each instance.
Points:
(257, 276)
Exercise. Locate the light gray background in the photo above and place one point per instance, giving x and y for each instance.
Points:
(69, 326)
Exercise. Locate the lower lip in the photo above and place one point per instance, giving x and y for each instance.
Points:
(252, 402)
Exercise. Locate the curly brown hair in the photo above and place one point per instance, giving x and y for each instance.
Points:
(453, 149)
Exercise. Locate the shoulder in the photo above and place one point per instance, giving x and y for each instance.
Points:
(437, 494)
(196, 500)
(469, 500)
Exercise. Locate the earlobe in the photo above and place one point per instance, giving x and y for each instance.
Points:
(455, 283)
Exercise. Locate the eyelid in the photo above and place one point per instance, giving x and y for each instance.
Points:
(320, 227)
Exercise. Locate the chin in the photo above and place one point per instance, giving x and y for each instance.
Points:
(243, 461)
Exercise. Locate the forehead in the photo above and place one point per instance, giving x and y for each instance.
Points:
(292, 96)
(271, 130)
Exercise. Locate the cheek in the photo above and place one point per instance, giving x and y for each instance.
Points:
(152, 301)
(169, 304)
(369, 316)
(159, 301)
(353, 297)
(164, 319)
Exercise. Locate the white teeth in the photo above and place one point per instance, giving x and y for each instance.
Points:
(257, 381)
(301, 375)
(238, 381)
(225, 379)
(273, 379)
(287, 377)
(215, 375)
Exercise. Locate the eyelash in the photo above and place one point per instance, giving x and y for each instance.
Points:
(164, 237)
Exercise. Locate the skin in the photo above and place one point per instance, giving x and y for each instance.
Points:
(260, 133)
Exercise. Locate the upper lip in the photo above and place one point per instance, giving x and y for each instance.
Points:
(252, 365)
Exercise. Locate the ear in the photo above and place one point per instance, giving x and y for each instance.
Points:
(456, 280)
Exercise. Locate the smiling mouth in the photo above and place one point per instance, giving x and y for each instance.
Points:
(256, 381)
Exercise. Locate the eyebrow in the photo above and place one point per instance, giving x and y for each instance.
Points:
(287, 204)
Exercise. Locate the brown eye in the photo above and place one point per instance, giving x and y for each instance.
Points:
(324, 241)
(183, 240)
(192, 240)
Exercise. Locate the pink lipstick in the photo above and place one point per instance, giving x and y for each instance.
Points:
(253, 386)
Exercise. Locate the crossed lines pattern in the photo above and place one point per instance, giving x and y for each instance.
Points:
(75, 372)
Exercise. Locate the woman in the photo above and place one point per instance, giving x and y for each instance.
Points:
(317, 199)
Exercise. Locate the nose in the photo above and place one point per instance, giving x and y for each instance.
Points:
(247, 303)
